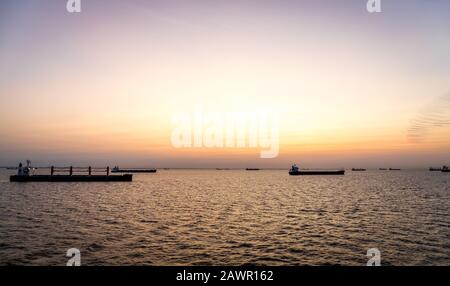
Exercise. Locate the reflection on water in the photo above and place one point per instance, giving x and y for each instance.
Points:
(230, 217)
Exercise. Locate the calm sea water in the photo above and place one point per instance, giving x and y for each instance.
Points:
(230, 217)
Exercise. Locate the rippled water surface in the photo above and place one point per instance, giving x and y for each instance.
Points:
(229, 217)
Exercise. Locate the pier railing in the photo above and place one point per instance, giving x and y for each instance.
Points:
(78, 170)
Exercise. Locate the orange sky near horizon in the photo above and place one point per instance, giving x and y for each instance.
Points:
(350, 88)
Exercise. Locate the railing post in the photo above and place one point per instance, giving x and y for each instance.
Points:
(90, 170)
(107, 171)
(71, 170)
(52, 170)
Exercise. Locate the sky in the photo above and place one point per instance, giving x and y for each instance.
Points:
(102, 87)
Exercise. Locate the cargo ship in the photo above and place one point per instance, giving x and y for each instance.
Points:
(118, 170)
(295, 171)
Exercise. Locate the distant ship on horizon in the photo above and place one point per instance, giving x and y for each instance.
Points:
(116, 169)
(435, 169)
(295, 171)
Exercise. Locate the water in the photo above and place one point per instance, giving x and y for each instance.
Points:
(229, 217)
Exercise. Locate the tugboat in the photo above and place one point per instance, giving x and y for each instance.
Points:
(295, 171)
(445, 169)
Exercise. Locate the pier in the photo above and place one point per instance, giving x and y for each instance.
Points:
(74, 174)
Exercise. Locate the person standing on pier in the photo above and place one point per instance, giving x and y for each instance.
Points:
(20, 170)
